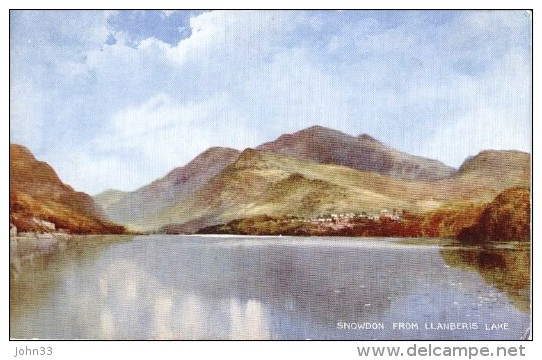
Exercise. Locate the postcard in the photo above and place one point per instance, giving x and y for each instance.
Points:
(270, 175)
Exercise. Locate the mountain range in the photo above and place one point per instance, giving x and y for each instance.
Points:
(305, 174)
(311, 172)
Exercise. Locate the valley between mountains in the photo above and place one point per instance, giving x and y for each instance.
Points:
(312, 182)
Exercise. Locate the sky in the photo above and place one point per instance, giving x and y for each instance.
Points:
(117, 99)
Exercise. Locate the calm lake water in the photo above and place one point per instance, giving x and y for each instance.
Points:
(227, 287)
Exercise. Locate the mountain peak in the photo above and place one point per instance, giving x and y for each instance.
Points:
(318, 130)
(20, 152)
(206, 159)
(248, 152)
(176, 185)
(369, 138)
(218, 149)
(328, 146)
(496, 161)
(314, 128)
(248, 157)
(28, 169)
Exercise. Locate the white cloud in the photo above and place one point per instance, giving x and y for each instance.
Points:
(169, 12)
(160, 134)
(222, 37)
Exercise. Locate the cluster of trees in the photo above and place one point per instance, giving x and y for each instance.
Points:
(507, 217)
(409, 226)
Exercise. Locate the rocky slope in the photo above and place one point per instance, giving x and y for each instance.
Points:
(363, 152)
(40, 201)
(130, 207)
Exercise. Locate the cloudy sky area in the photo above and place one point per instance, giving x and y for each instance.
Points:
(118, 99)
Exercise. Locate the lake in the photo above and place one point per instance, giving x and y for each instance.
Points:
(237, 287)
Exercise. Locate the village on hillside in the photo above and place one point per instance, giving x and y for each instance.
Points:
(347, 220)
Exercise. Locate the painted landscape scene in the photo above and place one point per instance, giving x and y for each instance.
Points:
(270, 175)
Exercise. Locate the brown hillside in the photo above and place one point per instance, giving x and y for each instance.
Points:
(36, 193)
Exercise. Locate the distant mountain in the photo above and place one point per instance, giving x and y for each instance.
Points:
(492, 171)
(267, 183)
(261, 182)
(109, 197)
(128, 208)
(39, 201)
(497, 164)
(329, 146)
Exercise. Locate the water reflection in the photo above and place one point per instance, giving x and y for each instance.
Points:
(38, 266)
(507, 269)
(200, 288)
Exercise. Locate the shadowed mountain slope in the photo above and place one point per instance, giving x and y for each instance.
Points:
(363, 152)
(180, 183)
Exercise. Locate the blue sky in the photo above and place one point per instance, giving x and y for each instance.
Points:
(118, 99)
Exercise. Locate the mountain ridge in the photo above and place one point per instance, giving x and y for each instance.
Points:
(363, 152)
(267, 183)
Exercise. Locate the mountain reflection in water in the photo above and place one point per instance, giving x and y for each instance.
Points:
(508, 269)
(193, 287)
